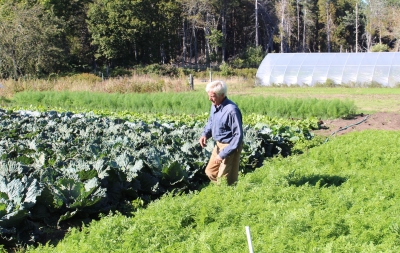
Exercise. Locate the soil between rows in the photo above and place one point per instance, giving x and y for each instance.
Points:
(375, 121)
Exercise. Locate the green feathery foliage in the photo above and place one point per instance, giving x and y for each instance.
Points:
(339, 197)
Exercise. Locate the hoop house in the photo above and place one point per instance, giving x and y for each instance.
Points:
(341, 68)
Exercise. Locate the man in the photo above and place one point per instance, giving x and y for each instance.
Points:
(225, 127)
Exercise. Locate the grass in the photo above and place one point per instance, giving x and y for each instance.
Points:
(366, 99)
(339, 197)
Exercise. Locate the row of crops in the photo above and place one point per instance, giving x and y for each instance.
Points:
(59, 165)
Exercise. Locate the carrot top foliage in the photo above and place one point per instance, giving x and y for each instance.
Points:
(186, 102)
(340, 197)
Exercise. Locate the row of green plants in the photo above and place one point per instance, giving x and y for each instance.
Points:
(186, 102)
(341, 196)
(178, 119)
(298, 131)
(58, 166)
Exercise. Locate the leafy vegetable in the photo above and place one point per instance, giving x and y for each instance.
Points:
(55, 166)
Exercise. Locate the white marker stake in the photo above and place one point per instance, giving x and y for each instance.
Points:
(249, 239)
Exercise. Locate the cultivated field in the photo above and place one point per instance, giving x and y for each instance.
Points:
(330, 193)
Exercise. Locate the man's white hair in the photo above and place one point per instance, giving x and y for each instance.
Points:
(218, 87)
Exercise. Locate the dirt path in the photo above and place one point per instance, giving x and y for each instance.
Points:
(378, 121)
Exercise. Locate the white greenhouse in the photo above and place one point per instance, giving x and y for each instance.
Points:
(341, 68)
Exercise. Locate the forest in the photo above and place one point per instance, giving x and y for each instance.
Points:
(40, 38)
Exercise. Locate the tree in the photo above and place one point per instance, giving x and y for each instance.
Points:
(352, 23)
(285, 13)
(114, 28)
(327, 11)
(195, 20)
(213, 17)
(133, 31)
(75, 37)
(393, 25)
(269, 24)
(309, 24)
(216, 39)
(29, 42)
(376, 16)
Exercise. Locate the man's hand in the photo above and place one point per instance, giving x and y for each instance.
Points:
(203, 141)
(218, 160)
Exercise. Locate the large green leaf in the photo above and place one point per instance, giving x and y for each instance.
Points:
(18, 197)
(74, 194)
(174, 173)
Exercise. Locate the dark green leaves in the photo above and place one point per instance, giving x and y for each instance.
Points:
(82, 164)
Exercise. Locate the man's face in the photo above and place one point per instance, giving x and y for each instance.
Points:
(215, 99)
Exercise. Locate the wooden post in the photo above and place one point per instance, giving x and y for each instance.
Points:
(191, 82)
(210, 74)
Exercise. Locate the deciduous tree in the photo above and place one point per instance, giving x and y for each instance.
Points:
(29, 41)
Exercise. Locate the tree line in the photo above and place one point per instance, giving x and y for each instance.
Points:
(40, 37)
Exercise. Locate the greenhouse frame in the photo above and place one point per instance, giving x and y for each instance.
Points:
(309, 69)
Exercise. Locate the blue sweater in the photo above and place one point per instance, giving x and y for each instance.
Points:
(225, 125)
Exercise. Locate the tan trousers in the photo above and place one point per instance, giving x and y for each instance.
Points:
(229, 167)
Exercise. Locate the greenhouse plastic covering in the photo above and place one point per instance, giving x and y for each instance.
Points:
(341, 68)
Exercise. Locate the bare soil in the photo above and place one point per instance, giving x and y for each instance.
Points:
(376, 121)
